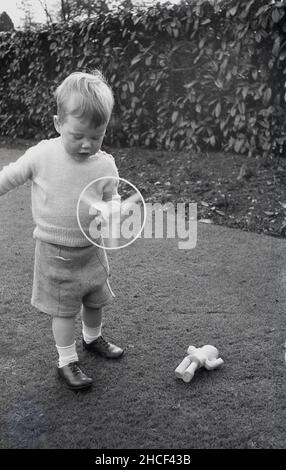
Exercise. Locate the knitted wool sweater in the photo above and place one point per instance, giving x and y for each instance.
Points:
(57, 182)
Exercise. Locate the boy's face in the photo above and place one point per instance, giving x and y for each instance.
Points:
(80, 140)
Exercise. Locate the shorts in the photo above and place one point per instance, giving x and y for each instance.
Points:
(67, 277)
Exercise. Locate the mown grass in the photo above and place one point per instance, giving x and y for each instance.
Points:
(229, 291)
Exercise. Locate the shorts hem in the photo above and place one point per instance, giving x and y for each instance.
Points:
(53, 313)
(103, 304)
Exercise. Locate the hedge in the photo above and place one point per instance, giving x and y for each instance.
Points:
(195, 76)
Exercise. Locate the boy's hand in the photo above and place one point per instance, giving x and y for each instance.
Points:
(107, 220)
(106, 212)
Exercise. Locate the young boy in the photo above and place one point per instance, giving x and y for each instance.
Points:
(70, 274)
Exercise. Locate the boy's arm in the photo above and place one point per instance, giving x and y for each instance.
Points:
(110, 186)
(109, 206)
(16, 173)
(110, 192)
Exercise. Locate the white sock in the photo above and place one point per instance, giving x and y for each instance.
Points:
(67, 354)
(90, 334)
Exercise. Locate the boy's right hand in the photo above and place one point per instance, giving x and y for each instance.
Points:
(106, 212)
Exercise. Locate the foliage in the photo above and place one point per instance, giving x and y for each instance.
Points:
(197, 75)
(71, 10)
(6, 24)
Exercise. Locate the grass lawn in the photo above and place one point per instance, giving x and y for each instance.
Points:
(229, 291)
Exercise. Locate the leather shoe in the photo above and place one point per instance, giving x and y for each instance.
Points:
(104, 348)
(74, 377)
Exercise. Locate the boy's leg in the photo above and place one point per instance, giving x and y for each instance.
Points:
(64, 330)
(92, 338)
(68, 368)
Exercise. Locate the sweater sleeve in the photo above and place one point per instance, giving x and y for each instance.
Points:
(110, 188)
(18, 172)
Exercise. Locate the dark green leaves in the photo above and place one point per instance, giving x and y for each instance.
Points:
(194, 76)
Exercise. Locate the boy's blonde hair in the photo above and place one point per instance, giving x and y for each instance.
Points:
(92, 98)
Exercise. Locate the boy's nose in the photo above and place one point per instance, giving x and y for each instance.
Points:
(86, 144)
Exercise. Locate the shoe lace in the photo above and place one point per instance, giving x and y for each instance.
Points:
(74, 367)
(103, 342)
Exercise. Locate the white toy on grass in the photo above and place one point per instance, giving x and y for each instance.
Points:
(206, 356)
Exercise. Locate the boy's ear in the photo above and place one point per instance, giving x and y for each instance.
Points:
(57, 123)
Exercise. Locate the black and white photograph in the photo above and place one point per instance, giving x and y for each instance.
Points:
(142, 231)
